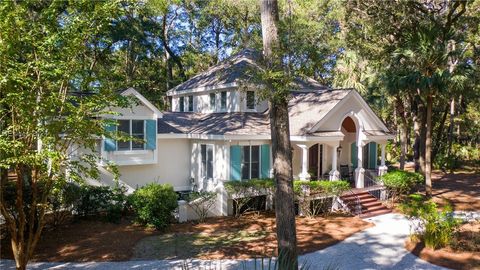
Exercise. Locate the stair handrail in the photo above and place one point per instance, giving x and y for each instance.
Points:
(375, 180)
(357, 208)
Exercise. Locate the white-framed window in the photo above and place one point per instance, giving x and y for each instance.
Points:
(206, 153)
(212, 101)
(190, 103)
(181, 103)
(135, 129)
(223, 100)
(251, 162)
(250, 100)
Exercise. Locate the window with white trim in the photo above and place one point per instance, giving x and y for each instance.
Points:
(181, 103)
(212, 101)
(206, 153)
(223, 100)
(190, 103)
(250, 162)
(134, 129)
(250, 100)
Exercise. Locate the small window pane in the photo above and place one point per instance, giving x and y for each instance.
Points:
(246, 162)
(190, 103)
(223, 100)
(138, 134)
(203, 154)
(124, 128)
(212, 101)
(255, 168)
(255, 153)
(246, 153)
(210, 161)
(181, 102)
(250, 100)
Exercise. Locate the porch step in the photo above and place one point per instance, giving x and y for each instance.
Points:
(369, 205)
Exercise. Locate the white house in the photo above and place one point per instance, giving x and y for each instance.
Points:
(218, 130)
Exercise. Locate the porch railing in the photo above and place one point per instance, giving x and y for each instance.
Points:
(371, 179)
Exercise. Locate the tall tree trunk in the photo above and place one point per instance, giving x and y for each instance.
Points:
(418, 110)
(172, 55)
(450, 127)
(282, 151)
(423, 134)
(403, 131)
(428, 149)
(439, 137)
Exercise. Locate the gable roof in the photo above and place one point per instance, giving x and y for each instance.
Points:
(232, 71)
(306, 109)
(143, 100)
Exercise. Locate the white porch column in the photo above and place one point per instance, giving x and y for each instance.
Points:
(383, 168)
(334, 173)
(304, 175)
(359, 171)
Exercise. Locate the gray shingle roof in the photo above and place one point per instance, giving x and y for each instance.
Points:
(235, 69)
(305, 110)
(215, 123)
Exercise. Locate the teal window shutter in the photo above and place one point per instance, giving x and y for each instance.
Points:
(372, 155)
(235, 162)
(265, 161)
(151, 129)
(109, 143)
(354, 157)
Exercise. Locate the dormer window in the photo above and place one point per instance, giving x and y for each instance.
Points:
(223, 100)
(181, 102)
(250, 100)
(212, 101)
(190, 103)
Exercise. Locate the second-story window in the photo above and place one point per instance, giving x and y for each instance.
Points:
(190, 103)
(223, 100)
(181, 102)
(250, 100)
(134, 129)
(212, 101)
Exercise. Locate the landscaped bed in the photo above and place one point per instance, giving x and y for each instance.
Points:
(463, 253)
(460, 190)
(224, 237)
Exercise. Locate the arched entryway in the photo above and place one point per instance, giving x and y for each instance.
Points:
(347, 149)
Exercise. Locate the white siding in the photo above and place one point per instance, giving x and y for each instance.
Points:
(173, 167)
(236, 101)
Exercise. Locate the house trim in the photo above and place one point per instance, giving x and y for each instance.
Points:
(201, 89)
(132, 91)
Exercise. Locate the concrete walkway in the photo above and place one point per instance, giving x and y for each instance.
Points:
(379, 247)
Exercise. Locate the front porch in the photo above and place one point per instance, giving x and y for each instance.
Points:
(351, 154)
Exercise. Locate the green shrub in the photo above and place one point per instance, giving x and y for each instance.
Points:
(201, 202)
(154, 204)
(436, 228)
(97, 200)
(400, 182)
(241, 192)
(315, 197)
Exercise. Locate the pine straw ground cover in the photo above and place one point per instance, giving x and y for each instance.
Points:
(463, 253)
(223, 237)
(461, 190)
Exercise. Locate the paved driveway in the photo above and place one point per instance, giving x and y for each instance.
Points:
(378, 247)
